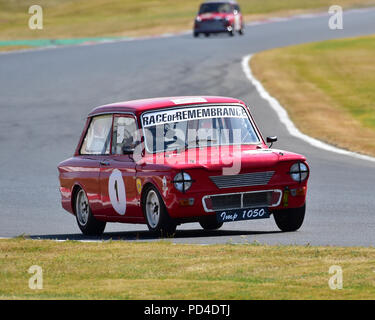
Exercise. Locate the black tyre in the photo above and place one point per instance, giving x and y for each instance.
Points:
(210, 223)
(290, 219)
(155, 212)
(85, 219)
(207, 35)
(241, 32)
(196, 34)
(231, 32)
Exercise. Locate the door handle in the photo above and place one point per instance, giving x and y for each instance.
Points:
(104, 163)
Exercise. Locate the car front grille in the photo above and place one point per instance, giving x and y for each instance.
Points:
(243, 180)
(252, 199)
(212, 24)
(258, 199)
(226, 201)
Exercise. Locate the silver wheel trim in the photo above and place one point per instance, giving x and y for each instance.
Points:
(152, 208)
(82, 208)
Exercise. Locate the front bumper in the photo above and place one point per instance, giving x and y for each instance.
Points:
(242, 200)
(191, 205)
(212, 26)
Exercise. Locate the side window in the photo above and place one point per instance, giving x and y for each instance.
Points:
(98, 137)
(125, 135)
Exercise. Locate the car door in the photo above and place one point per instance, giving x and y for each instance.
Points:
(119, 195)
(237, 18)
(94, 148)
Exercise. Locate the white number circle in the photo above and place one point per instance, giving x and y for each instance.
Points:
(116, 191)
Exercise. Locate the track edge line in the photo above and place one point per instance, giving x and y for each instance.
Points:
(285, 119)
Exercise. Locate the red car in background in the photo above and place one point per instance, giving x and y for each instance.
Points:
(218, 16)
(167, 161)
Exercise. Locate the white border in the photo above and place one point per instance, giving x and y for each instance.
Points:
(284, 118)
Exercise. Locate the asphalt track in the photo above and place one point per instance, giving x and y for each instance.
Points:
(45, 96)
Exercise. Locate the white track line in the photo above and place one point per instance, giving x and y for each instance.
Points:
(284, 118)
(56, 240)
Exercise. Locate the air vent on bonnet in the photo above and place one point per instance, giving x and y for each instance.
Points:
(243, 180)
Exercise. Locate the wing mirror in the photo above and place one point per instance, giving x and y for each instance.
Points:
(271, 140)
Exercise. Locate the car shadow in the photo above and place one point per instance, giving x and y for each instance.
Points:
(146, 235)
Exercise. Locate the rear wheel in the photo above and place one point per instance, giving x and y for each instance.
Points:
(85, 219)
(196, 34)
(210, 223)
(290, 219)
(155, 212)
(207, 34)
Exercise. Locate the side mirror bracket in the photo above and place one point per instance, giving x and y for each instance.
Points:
(271, 140)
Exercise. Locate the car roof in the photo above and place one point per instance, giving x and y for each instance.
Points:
(220, 1)
(138, 106)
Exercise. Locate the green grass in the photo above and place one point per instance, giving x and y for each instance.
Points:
(347, 75)
(162, 270)
(97, 18)
(327, 87)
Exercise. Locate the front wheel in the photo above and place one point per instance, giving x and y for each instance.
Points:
(85, 219)
(157, 217)
(231, 31)
(290, 219)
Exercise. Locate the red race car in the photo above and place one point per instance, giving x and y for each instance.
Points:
(167, 161)
(218, 16)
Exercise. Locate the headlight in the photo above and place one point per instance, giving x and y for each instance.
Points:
(182, 181)
(299, 172)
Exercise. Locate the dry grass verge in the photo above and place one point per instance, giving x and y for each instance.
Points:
(328, 89)
(103, 18)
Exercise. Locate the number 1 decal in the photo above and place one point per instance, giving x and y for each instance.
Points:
(116, 191)
(116, 188)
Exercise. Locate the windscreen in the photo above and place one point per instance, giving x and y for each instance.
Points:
(215, 7)
(194, 127)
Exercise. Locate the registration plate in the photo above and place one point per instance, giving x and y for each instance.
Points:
(242, 214)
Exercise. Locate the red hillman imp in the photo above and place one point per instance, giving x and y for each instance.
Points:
(218, 17)
(167, 161)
